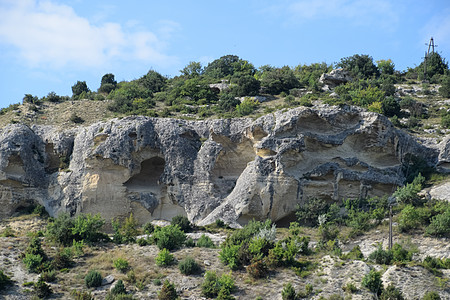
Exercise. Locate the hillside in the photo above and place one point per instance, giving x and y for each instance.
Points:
(292, 172)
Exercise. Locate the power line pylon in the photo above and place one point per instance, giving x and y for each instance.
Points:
(431, 46)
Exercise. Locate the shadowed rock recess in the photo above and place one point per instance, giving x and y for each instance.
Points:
(232, 169)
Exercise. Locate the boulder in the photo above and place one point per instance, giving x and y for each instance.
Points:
(335, 78)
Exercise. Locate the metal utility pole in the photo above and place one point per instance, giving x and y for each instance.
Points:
(431, 46)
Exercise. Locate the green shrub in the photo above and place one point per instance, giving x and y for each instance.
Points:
(48, 276)
(121, 265)
(220, 224)
(381, 256)
(258, 269)
(391, 293)
(170, 237)
(33, 262)
(81, 295)
(168, 291)
(440, 224)
(119, 288)
(42, 289)
(205, 242)
(212, 285)
(142, 242)
(433, 264)
(229, 255)
(409, 218)
(431, 295)
(126, 232)
(189, 266)
(372, 281)
(182, 222)
(93, 279)
(400, 255)
(164, 258)
(309, 212)
(148, 228)
(63, 259)
(189, 243)
(4, 280)
(354, 254)
(350, 287)
(65, 229)
(288, 292)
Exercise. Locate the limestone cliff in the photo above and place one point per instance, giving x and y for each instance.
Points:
(233, 169)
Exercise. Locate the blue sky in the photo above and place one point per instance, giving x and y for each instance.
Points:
(49, 45)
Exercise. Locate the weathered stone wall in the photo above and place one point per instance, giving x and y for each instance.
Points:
(235, 169)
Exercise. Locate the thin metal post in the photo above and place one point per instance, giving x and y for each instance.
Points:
(390, 227)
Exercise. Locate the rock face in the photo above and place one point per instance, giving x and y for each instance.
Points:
(234, 170)
(334, 78)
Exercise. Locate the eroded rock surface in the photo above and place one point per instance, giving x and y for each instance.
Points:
(234, 170)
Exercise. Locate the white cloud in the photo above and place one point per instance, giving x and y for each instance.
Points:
(53, 35)
(360, 12)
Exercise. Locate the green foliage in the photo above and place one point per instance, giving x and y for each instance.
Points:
(131, 97)
(391, 293)
(182, 222)
(434, 265)
(121, 264)
(81, 295)
(431, 295)
(75, 118)
(444, 90)
(42, 289)
(408, 194)
(414, 217)
(63, 258)
(228, 102)
(386, 257)
(227, 66)
(164, 258)
(189, 243)
(4, 280)
(440, 224)
(189, 266)
(229, 255)
(148, 228)
(386, 66)
(193, 69)
(213, 285)
(107, 84)
(168, 291)
(350, 287)
(86, 227)
(359, 66)
(119, 288)
(277, 80)
(288, 292)
(308, 214)
(372, 281)
(247, 106)
(153, 81)
(354, 254)
(79, 88)
(246, 86)
(170, 237)
(436, 65)
(48, 276)
(65, 229)
(33, 262)
(93, 279)
(126, 232)
(390, 106)
(308, 75)
(258, 269)
(205, 242)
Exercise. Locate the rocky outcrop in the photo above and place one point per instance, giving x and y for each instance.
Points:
(334, 78)
(232, 169)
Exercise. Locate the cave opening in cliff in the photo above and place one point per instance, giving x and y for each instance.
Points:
(15, 166)
(147, 180)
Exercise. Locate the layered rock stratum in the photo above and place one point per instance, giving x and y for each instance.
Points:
(229, 169)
